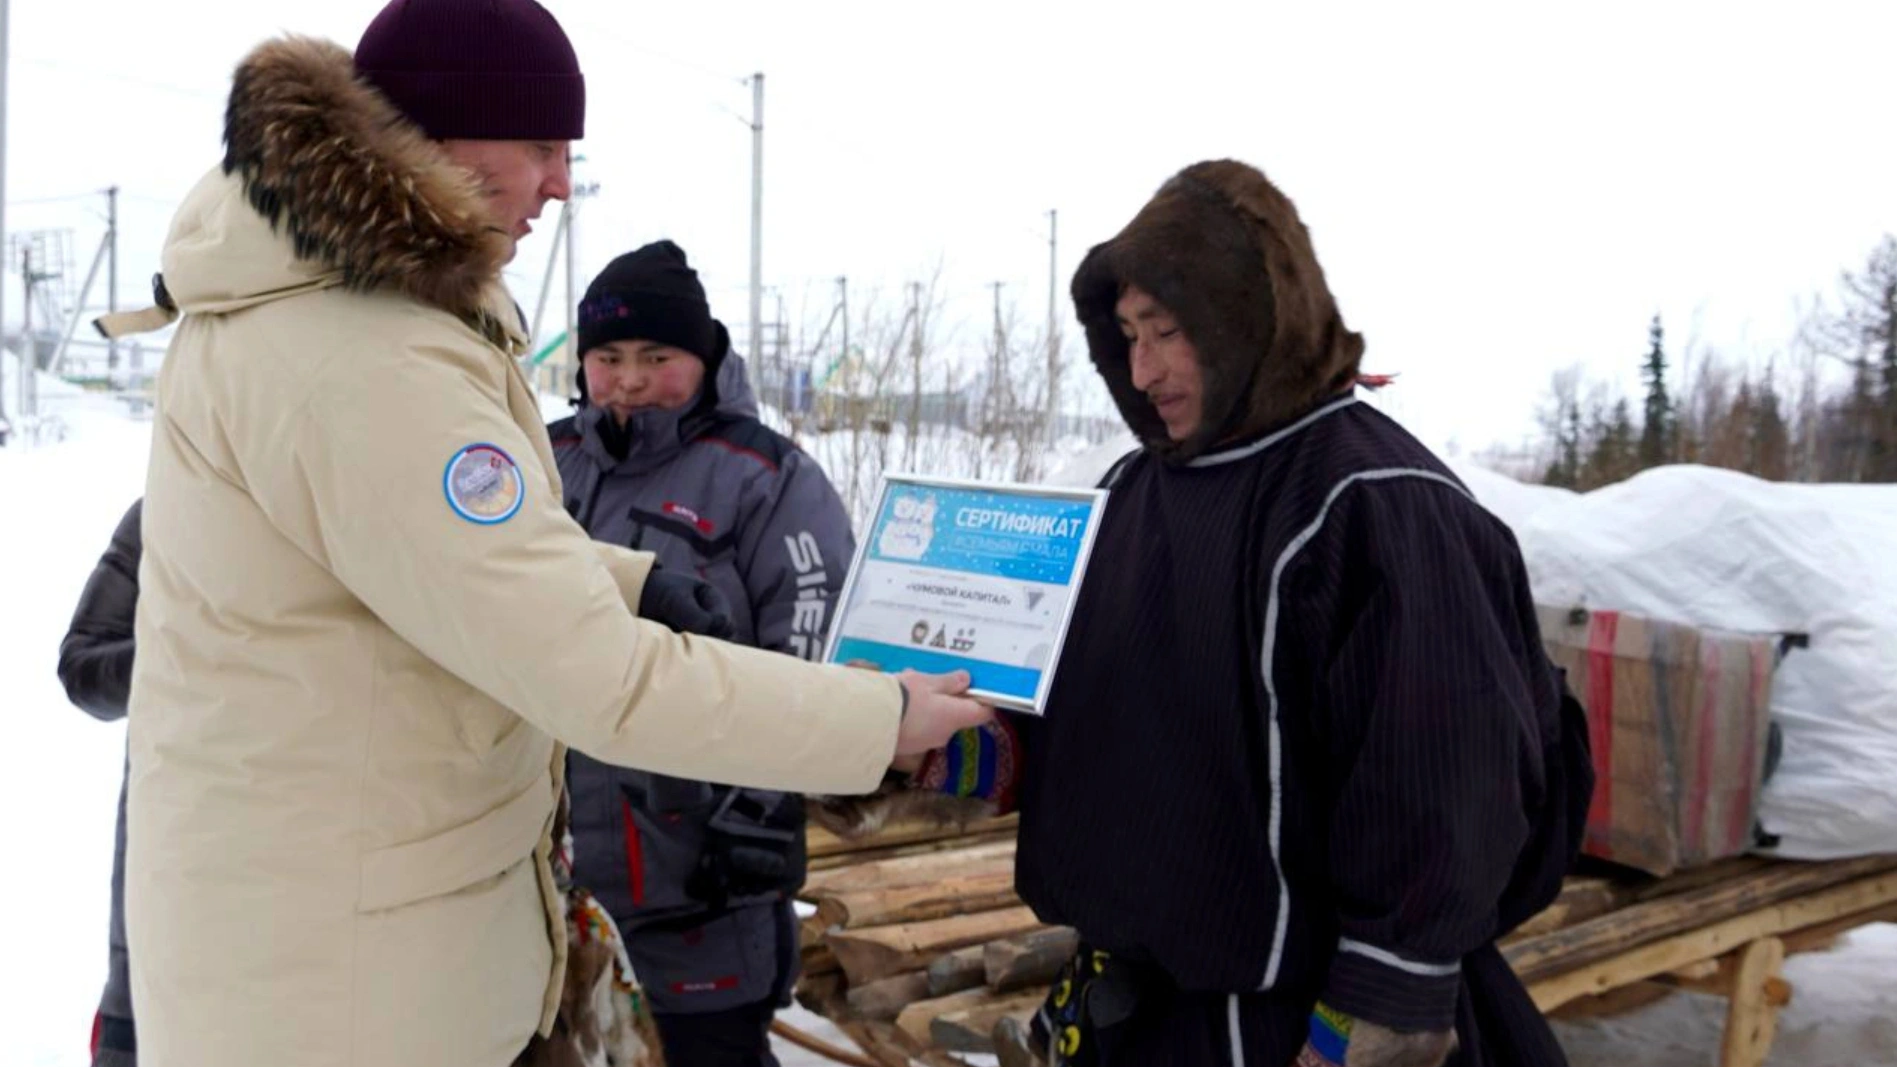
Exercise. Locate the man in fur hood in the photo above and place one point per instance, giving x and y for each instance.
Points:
(1306, 760)
(367, 625)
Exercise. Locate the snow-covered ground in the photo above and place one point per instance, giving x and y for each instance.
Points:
(60, 770)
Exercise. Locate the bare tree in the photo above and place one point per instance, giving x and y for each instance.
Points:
(1560, 420)
(1807, 404)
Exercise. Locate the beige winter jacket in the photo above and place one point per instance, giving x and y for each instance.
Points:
(348, 690)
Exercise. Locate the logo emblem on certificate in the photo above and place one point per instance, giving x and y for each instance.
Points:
(958, 575)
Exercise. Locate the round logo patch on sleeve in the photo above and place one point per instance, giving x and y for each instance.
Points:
(483, 484)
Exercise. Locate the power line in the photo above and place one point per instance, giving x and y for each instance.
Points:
(167, 202)
(64, 199)
(95, 72)
(686, 64)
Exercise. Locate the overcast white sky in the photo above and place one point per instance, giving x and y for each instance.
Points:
(1497, 190)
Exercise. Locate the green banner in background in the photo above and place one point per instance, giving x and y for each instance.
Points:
(541, 356)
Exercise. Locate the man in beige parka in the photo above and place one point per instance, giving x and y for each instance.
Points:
(366, 625)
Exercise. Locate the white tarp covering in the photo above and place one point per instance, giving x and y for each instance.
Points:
(1719, 549)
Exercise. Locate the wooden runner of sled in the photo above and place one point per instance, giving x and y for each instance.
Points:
(919, 949)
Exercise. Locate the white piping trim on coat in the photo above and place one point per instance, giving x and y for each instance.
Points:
(1234, 1035)
(1118, 470)
(1271, 688)
(1216, 458)
(1391, 959)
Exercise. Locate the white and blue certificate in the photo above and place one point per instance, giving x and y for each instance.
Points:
(959, 575)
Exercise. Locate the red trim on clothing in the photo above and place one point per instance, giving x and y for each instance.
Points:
(741, 451)
(635, 856)
(716, 985)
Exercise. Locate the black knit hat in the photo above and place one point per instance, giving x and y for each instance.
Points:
(481, 70)
(652, 294)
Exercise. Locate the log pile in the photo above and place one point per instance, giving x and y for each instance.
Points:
(919, 947)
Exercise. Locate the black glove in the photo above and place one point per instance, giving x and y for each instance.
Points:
(687, 604)
(754, 845)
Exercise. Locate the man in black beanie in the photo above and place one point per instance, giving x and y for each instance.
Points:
(366, 624)
(666, 455)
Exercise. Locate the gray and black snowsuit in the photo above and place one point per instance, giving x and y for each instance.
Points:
(699, 875)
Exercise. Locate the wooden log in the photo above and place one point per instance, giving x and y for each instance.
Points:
(952, 972)
(1597, 939)
(1613, 1004)
(1751, 1018)
(1581, 899)
(1585, 897)
(811, 928)
(914, 1020)
(1696, 972)
(821, 843)
(885, 999)
(818, 957)
(1014, 1044)
(962, 894)
(875, 952)
(869, 873)
(812, 1043)
(821, 994)
(1723, 872)
(919, 849)
(1028, 959)
(878, 1041)
(1717, 939)
(973, 1029)
(1820, 937)
(1718, 978)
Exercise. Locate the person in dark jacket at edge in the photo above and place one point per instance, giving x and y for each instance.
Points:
(666, 455)
(95, 667)
(1305, 760)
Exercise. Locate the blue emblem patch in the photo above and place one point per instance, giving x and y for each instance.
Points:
(483, 484)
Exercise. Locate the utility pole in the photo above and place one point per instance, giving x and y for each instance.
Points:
(79, 309)
(995, 365)
(782, 343)
(1001, 334)
(29, 356)
(843, 302)
(1053, 326)
(553, 260)
(4, 18)
(915, 333)
(569, 367)
(111, 276)
(757, 215)
(572, 292)
(914, 321)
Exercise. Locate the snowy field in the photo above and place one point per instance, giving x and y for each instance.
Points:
(60, 770)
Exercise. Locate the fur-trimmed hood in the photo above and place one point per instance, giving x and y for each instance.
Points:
(1225, 252)
(324, 183)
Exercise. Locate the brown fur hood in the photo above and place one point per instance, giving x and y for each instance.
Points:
(1224, 250)
(357, 188)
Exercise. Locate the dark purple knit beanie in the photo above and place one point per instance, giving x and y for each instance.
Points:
(480, 70)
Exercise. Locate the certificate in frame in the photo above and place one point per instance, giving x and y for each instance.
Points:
(964, 575)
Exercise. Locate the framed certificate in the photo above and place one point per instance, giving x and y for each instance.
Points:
(959, 575)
